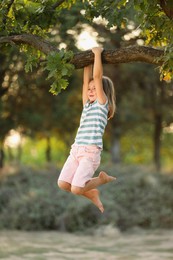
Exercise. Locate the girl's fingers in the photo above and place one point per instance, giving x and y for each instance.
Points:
(97, 49)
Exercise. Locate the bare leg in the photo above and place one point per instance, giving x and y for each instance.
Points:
(93, 195)
(103, 178)
(64, 185)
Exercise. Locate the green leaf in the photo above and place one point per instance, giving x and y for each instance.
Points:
(32, 58)
(59, 69)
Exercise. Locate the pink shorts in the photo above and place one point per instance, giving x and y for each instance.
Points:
(81, 164)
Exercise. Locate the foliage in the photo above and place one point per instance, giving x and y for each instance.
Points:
(30, 16)
(37, 18)
(31, 109)
(57, 64)
(58, 67)
(33, 152)
(41, 18)
(136, 148)
(31, 200)
(156, 27)
(27, 102)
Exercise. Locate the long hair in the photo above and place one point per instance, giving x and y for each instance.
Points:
(109, 90)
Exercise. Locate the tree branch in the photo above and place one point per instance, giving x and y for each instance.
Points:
(33, 40)
(122, 55)
(133, 53)
(57, 4)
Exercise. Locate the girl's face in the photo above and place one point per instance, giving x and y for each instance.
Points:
(92, 95)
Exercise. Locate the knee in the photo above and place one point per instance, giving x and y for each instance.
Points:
(63, 185)
(77, 190)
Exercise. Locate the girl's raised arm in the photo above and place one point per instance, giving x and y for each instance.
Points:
(86, 79)
(97, 75)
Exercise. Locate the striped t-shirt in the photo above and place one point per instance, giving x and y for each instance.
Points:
(92, 124)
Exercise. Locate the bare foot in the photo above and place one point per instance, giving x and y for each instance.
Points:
(93, 195)
(105, 177)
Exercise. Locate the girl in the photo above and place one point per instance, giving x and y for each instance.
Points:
(84, 159)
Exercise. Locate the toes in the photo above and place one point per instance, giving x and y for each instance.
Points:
(101, 209)
(106, 178)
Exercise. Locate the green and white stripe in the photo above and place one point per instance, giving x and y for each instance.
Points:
(92, 124)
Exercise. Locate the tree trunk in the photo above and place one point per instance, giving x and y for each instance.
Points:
(167, 6)
(19, 153)
(48, 150)
(157, 140)
(115, 140)
(116, 149)
(114, 74)
(2, 156)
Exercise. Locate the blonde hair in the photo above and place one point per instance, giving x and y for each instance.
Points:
(109, 90)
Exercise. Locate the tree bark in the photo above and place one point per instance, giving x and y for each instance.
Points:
(167, 6)
(157, 140)
(2, 156)
(48, 150)
(35, 41)
(121, 55)
(116, 149)
(81, 59)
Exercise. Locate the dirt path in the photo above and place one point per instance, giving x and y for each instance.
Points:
(157, 245)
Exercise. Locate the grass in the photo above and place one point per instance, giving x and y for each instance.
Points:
(150, 245)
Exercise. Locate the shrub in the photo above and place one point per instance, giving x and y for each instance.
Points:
(31, 200)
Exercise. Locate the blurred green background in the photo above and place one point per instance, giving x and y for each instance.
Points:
(38, 128)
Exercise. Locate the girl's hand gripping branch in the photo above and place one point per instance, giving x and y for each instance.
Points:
(98, 74)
